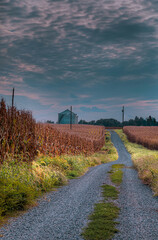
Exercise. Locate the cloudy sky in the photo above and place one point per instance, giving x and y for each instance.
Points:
(94, 55)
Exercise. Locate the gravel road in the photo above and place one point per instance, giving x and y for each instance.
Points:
(139, 209)
(65, 212)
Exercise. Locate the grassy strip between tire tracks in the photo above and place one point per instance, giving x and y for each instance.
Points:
(102, 225)
(21, 184)
(144, 160)
(116, 173)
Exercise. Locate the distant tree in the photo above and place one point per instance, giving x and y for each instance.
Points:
(150, 121)
(131, 122)
(92, 122)
(154, 121)
(108, 122)
(142, 121)
(82, 122)
(139, 121)
(49, 121)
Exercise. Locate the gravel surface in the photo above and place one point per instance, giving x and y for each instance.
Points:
(64, 213)
(139, 209)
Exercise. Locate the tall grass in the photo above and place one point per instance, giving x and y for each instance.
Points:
(21, 183)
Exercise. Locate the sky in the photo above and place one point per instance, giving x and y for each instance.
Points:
(94, 55)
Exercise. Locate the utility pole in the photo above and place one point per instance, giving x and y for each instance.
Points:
(71, 117)
(12, 111)
(13, 99)
(123, 114)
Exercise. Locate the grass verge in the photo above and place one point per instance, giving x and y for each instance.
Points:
(102, 223)
(144, 160)
(21, 184)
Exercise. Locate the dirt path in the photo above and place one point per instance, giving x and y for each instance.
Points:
(139, 209)
(64, 213)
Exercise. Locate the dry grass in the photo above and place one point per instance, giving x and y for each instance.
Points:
(146, 136)
(57, 139)
(145, 161)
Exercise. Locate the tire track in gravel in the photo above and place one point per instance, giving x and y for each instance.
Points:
(64, 216)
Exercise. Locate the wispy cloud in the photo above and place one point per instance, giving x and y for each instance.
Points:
(95, 55)
(30, 68)
(143, 103)
(11, 79)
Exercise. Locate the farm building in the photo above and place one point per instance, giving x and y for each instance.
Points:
(64, 117)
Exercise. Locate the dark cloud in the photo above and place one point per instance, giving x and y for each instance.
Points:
(63, 51)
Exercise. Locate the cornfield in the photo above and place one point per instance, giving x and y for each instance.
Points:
(22, 138)
(17, 133)
(146, 136)
(59, 138)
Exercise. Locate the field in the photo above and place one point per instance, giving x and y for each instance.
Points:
(36, 157)
(22, 138)
(17, 133)
(146, 136)
(58, 139)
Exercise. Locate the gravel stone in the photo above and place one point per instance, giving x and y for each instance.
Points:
(65, 212)
(139, 209)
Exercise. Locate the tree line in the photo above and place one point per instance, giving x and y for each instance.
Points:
(137, 121)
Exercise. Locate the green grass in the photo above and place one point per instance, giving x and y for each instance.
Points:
(21, 184)
(102, 224)
(109, 148)
(109, 192)
(116, 173)
(144, 160)
(117, 166)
